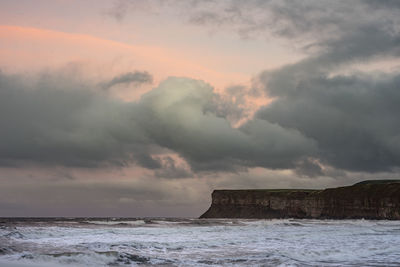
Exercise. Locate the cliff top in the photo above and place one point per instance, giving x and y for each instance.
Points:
(362, 183)
(270, 190)
(387, 181)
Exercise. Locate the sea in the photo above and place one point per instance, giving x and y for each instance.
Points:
(197, 242)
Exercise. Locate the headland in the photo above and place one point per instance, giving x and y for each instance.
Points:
(372, 199)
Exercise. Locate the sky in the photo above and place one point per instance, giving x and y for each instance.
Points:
(137, 108)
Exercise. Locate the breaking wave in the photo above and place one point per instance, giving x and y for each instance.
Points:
(194, 242)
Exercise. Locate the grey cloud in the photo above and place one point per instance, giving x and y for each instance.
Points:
(329, 31)
(383, 3)
(145, 160)
(232, 105)
(172, 169)
(367, 42)
(179, 121)
(300, 19)
(353, 119)
(309, 168)
(315, 20)
(57, 121)
(137, 78)
(346, 122)
(313, 25)
(364, 43)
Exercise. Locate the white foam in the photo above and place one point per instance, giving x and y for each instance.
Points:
(218, 242)
(136, 222)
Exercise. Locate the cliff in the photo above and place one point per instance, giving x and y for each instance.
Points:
(378, 199)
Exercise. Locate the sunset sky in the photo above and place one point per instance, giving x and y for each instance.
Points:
(143, 108)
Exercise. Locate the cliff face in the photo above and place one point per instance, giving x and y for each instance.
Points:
(369, 200)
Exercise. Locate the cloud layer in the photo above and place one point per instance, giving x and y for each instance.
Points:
(54, 120)
(353, 119)
(319, 119)
(349, 118)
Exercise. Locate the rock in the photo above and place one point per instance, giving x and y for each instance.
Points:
(378, 199)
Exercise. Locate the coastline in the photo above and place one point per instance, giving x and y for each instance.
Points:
(365, 200)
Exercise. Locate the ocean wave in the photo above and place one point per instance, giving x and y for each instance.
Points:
(194, 242)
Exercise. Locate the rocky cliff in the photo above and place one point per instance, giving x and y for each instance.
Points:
(368, 200)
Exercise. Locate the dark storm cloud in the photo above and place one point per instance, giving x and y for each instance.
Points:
(354, 119)
(176, 116)
(137, 78)
(53, 120)
(351, 117)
